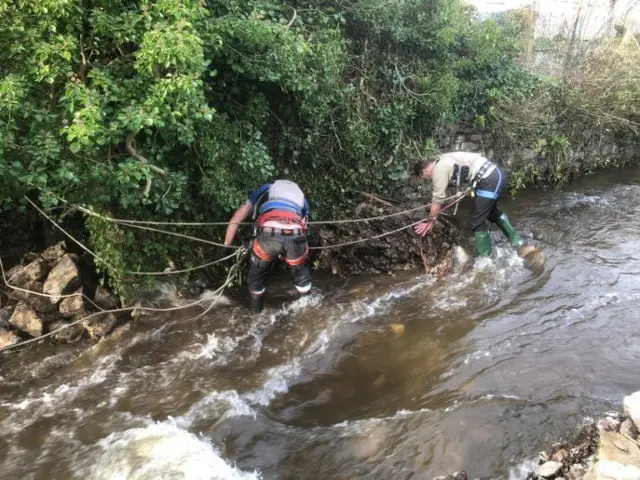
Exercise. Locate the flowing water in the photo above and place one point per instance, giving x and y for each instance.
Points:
(494, 364)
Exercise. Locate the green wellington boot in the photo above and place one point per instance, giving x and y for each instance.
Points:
(483, 243)
(509, 231)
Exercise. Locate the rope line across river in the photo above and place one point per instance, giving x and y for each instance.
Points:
(204, 224)
(238, 254)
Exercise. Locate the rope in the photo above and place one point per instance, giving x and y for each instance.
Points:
(201, 224)
(134, 308)
(232, 271)
(375, 237)
(174, 234)
(126, 272)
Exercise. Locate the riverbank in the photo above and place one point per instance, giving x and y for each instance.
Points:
(603, 449)
(607, 449)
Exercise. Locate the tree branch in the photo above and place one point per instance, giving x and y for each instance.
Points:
(295, 15)
(132, 151)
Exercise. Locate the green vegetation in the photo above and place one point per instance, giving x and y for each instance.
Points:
(172, 110)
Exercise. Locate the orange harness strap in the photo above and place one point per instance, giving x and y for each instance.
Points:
(260, 253)
(299, 260)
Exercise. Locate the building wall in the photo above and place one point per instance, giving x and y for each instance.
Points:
(596, 17)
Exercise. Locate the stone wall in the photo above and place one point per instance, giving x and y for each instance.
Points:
(466, 138)
(51, 290)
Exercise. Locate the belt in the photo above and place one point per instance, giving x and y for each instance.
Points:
(487, 194)
(281, 231)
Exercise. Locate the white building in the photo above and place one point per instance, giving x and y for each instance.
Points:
(595, 18)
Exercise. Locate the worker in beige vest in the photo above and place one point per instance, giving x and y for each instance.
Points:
(487, 181)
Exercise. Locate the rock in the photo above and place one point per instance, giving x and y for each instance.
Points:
(577, 472)
(26, 319)
(526, 250)
(632, 408)
(54, 252)
(618, 458)
(64, 277)
(548, 469)
(380, 382)
(477, 137)
(120, 331)
(533, 257)
(608, 424)
(8, 338)
(361, 289)
(397, 329)
(628, 428)
(560, 456)
(5, 315)
(20, 275)
(369, 444)
(30, 257)
(71, 306)
(69, 334)
(105, 299)
(100, 325)
(40, 303)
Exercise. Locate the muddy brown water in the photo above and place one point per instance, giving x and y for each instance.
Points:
(493, 365)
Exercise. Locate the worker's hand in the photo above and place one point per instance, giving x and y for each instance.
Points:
(423, 228)
(227, 243)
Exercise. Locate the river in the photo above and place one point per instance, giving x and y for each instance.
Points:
(494, 364)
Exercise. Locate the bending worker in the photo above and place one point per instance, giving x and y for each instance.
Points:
(280, 231)
(487, 182)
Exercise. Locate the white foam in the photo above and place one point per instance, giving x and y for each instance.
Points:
(277, 381)
(297, 306)
(160, 450)
(221, 405)
(357, 427)
(522, 470)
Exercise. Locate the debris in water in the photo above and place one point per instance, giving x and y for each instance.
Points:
(397, 328)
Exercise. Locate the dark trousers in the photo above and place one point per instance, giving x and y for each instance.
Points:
(268, 247)
(485, 201)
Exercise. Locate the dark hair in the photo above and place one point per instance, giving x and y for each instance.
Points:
(419, 166)
(284, 176)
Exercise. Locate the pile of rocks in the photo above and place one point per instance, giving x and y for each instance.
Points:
(54, 273)
(608, 449)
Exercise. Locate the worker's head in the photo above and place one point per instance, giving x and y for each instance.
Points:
(284, 176)
(423, 168)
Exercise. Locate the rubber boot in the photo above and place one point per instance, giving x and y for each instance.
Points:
(257, 303)
(483, 243)
(509, 231)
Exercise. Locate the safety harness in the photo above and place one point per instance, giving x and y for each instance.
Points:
(282, 211)
(482, 171)
(461, 176)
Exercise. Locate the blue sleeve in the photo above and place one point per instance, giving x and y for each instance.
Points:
(305, 209)
(254, 195)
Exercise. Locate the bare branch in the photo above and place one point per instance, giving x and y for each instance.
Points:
(295, 15)
(132, 151)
